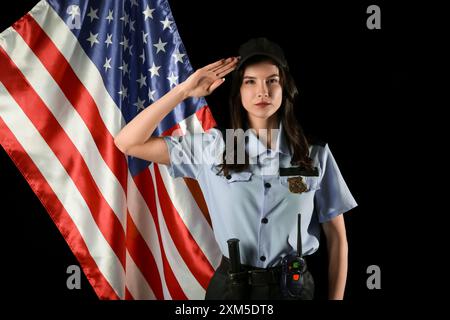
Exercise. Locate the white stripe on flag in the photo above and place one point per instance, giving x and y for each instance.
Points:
(83, 67)
(136, 283)
(143, 219)
(191, 125)
(192, 216)
(72, 123)
(191, 288)
(65, 189)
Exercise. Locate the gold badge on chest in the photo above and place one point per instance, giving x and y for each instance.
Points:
(297, 185)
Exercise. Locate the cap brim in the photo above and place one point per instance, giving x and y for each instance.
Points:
(273, 57)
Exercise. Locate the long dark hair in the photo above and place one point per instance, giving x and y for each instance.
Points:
(295, 137)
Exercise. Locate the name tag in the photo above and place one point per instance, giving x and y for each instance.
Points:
(299, 171)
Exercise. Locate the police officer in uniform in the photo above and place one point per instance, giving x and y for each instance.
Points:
(256, 198)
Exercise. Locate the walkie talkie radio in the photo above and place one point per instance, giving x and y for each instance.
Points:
(293, 267)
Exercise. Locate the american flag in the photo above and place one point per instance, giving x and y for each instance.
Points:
(72, 74)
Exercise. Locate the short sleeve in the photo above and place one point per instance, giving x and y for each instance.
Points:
(190, 153)
(333, 197)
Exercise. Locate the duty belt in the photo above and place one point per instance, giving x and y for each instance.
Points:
(255, 276)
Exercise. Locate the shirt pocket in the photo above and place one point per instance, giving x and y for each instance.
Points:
(297, 182)
(232, 177)
(238, 177)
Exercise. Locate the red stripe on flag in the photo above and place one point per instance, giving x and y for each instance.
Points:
(128, 295)
(188, 248)
(57, 212)
(63, 148)
(170, 131)
(145, 185)
(143, 258)
(205, 117)
(197, 194)
(207, 121)
(76, 93)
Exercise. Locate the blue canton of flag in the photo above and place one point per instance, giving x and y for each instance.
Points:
(138, 51)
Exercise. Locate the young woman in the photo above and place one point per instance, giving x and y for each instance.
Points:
(256, 197)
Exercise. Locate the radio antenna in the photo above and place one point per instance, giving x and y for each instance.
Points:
(299, 236)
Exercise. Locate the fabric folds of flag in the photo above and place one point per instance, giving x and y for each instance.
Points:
(72, 74)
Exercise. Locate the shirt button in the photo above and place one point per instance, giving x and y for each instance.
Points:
(264, 220)
(267, 185)
(262, 258)
(228, 177)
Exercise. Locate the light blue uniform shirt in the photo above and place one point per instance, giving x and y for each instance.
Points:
(256, 205)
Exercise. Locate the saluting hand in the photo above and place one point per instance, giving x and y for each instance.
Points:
(205, 80)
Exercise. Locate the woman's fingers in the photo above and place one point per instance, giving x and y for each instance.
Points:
(225, 64)
(210, 76)
(225, 70)
(215, 84)
(220, 64)
(213, 65)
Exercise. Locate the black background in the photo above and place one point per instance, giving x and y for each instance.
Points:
(354, 93)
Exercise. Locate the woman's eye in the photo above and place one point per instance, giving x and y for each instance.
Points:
(274, 80)
(249, 81)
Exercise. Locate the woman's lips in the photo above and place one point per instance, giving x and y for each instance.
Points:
(262, 104)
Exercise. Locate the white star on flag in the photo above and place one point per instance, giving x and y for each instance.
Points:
(166, 23)
(148, 13)
(108, 40)
(160, 46)
(93, 14)
(151, 95)
(141, 81)
(93, 38)
(107, 64)
(178, 56)
(124, 43)
(125, 18)
(124, 68)
(142, 56)
(110, 16)
(144, 37)
(123, 91)
(173, 79)
(139, 104)
(154, 70)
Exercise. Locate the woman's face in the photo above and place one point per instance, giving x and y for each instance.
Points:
(261, 91)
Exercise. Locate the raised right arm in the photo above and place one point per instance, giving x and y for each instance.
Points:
(135, 138)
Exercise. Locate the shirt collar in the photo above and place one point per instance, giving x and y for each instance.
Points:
(255, 147)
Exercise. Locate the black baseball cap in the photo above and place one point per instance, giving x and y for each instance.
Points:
(261, 47)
